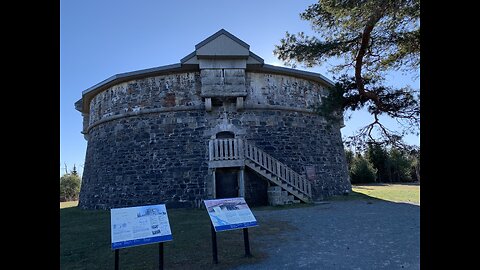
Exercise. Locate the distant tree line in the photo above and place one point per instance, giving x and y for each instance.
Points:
(70, 183)
(385, 165)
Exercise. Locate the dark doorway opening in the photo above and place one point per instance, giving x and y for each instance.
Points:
(256, 188)
(226, 182)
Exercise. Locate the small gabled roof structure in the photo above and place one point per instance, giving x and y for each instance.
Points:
(222, 45)
(219, 33)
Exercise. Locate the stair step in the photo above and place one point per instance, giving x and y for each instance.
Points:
(281, 193)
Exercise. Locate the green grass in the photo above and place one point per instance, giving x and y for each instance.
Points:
(406, 192)
(85, 242)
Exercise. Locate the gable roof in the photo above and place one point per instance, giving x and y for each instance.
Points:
(222, 45)
(219, 33)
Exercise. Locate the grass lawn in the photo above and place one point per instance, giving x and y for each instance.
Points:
(85, 241)
(402, 192)
(85, 235)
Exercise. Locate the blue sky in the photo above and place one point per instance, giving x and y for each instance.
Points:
(99, 39)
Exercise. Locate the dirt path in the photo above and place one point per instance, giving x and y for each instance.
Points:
(355, 234)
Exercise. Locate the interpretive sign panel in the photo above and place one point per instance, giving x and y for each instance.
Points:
(230, 214)
(140, 225)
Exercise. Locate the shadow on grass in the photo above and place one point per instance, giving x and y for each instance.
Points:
(281, 207)
(362, 187)
(85, 242)
(352, 196)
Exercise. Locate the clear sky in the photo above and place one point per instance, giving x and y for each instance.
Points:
(99, 39)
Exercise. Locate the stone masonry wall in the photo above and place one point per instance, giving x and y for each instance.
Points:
(274, 89)
(255, 189)
(146, 159)
(295, 138)
(162, 156)
(166, 91)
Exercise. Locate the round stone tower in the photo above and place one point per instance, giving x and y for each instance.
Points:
(219, 124)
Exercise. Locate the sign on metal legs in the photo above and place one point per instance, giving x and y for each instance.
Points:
(230, 214)
(141, 225)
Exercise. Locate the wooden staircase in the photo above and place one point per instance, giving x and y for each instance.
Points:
(238, 152)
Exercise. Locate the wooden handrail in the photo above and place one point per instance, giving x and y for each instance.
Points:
(237, 149)
(225, 149)
(277, 168)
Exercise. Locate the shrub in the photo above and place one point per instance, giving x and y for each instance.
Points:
(69, 187)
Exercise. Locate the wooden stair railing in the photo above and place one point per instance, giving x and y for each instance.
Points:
(263, 163)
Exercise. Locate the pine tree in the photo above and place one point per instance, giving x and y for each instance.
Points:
(373, 37)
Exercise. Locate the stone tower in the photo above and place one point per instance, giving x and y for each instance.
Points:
(221, 123)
